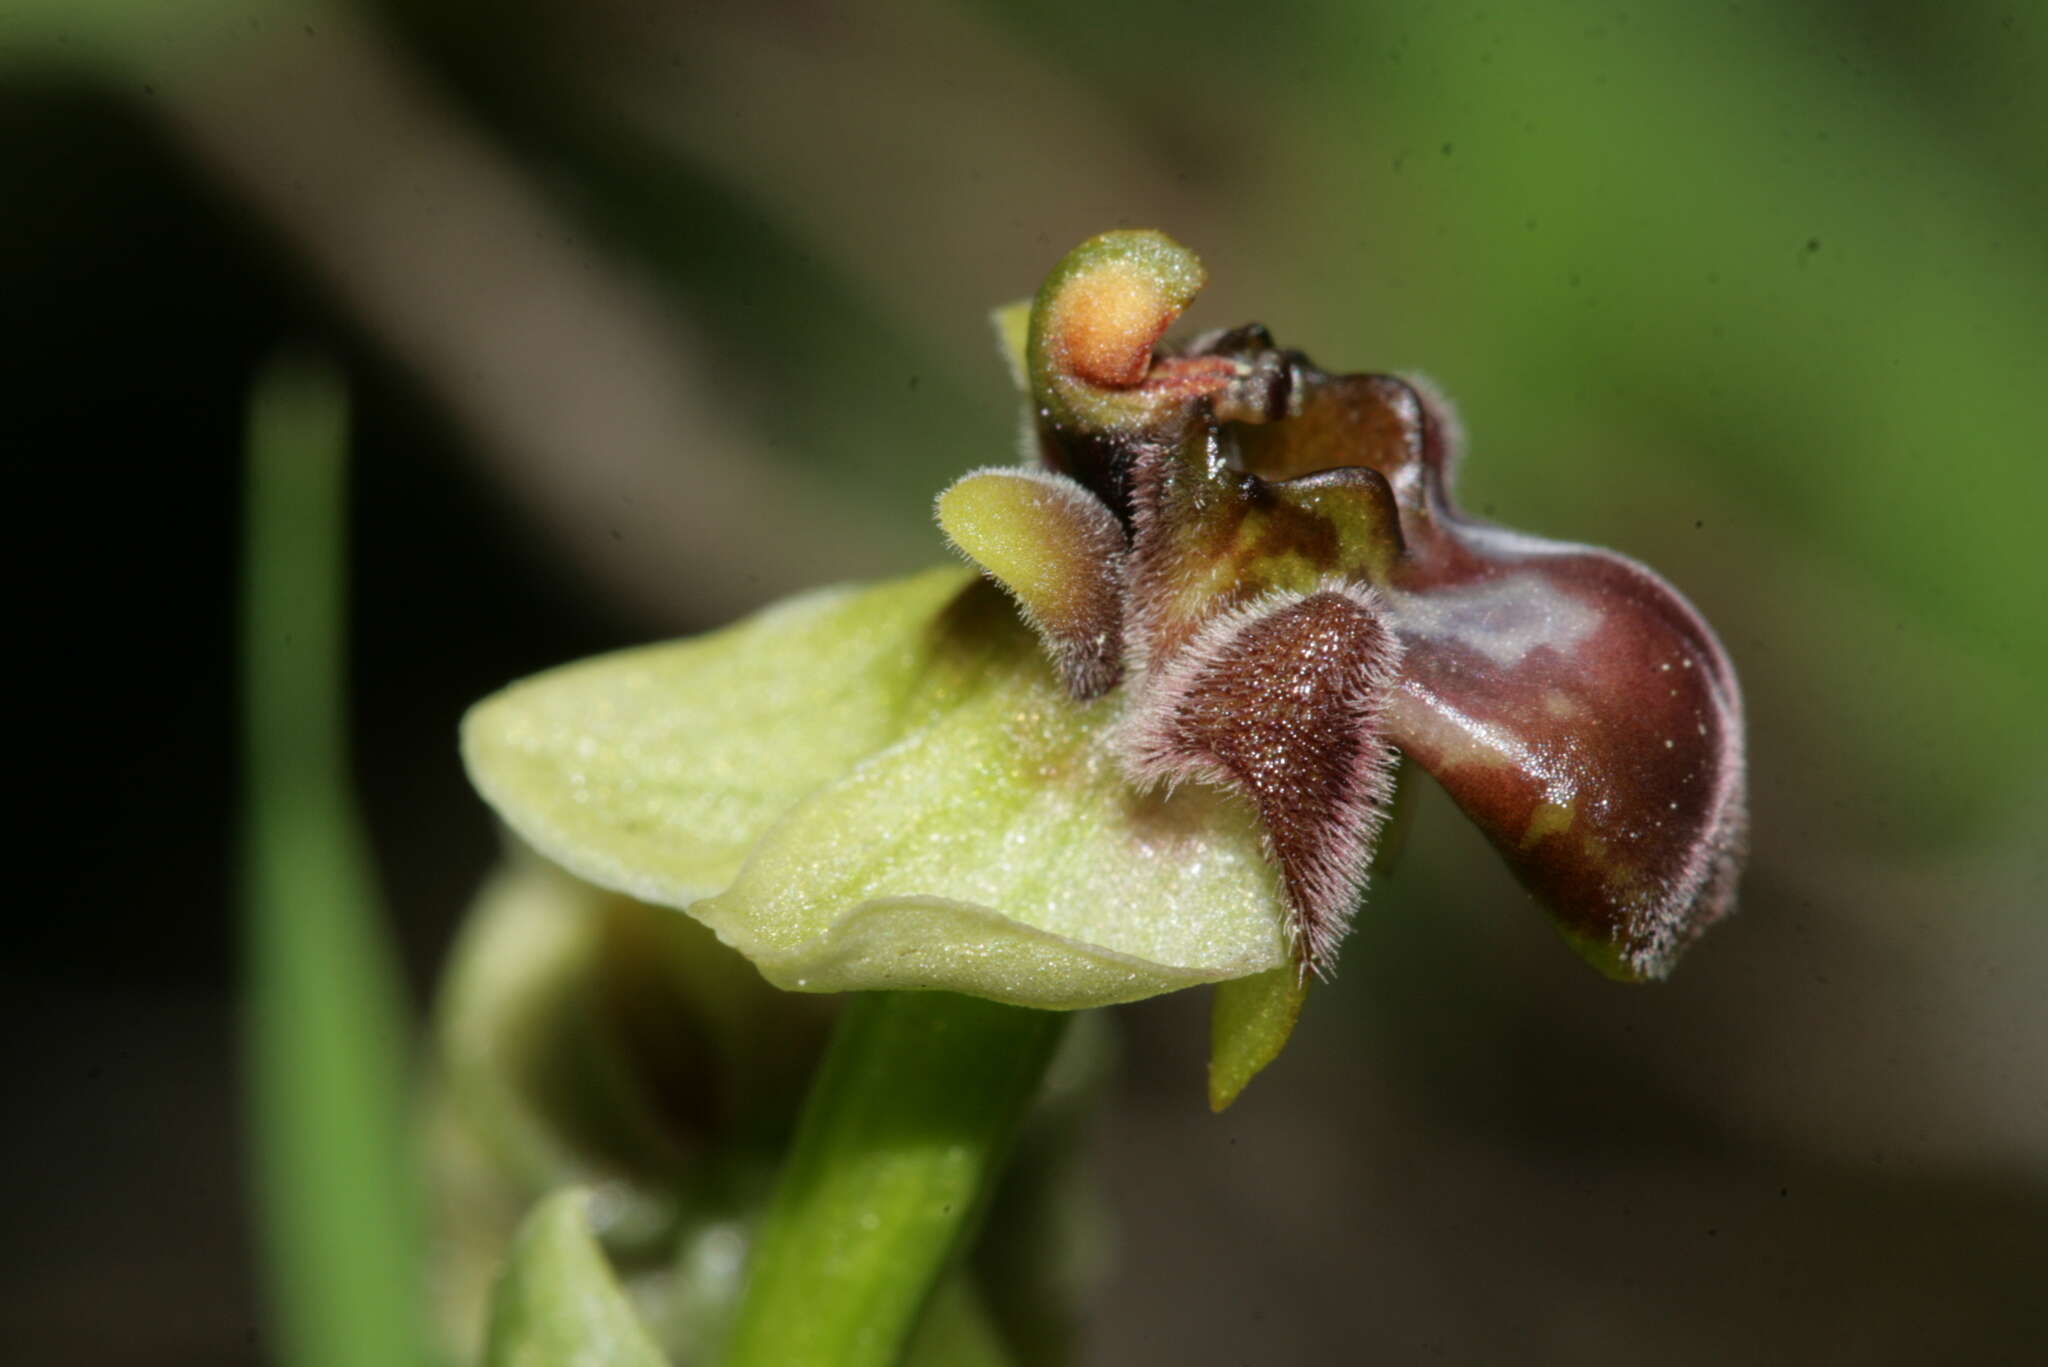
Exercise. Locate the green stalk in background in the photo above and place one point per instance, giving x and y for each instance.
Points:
(324, 1022)
(909, 1120)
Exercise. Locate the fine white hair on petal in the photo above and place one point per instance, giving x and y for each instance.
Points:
(1706, 892)
(1444, 416)
(1085, 639)
(1282, 699)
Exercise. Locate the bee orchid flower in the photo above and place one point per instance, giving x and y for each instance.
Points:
(1153, 743)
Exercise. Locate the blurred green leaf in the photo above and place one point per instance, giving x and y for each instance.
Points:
(558, 1302)
(324, 1023)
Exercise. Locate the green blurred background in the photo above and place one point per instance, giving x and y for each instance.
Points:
(656, 311)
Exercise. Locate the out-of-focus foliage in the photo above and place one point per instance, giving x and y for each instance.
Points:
(324, 1030)
(1751, 292)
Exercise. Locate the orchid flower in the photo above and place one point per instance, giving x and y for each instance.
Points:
(1151, 744)
(1250, 591)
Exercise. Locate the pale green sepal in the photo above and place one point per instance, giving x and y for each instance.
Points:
(558, 1302)
(653, 771)
(1250, 1021)
(998, 851)
(924, 805)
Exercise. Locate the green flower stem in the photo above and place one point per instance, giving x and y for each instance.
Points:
(908, 1122)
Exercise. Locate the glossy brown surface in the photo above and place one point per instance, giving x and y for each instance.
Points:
(1571, 702)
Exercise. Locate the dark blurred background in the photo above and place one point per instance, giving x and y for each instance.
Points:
(655, 311)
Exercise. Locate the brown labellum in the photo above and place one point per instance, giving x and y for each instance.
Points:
(1580, 712)
(1573, 703)
(1284, 700)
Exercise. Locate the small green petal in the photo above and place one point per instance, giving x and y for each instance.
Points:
(1045, 541)
(915, 800)
(558, 1301)
(1058, 551)
(1250, 1021)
